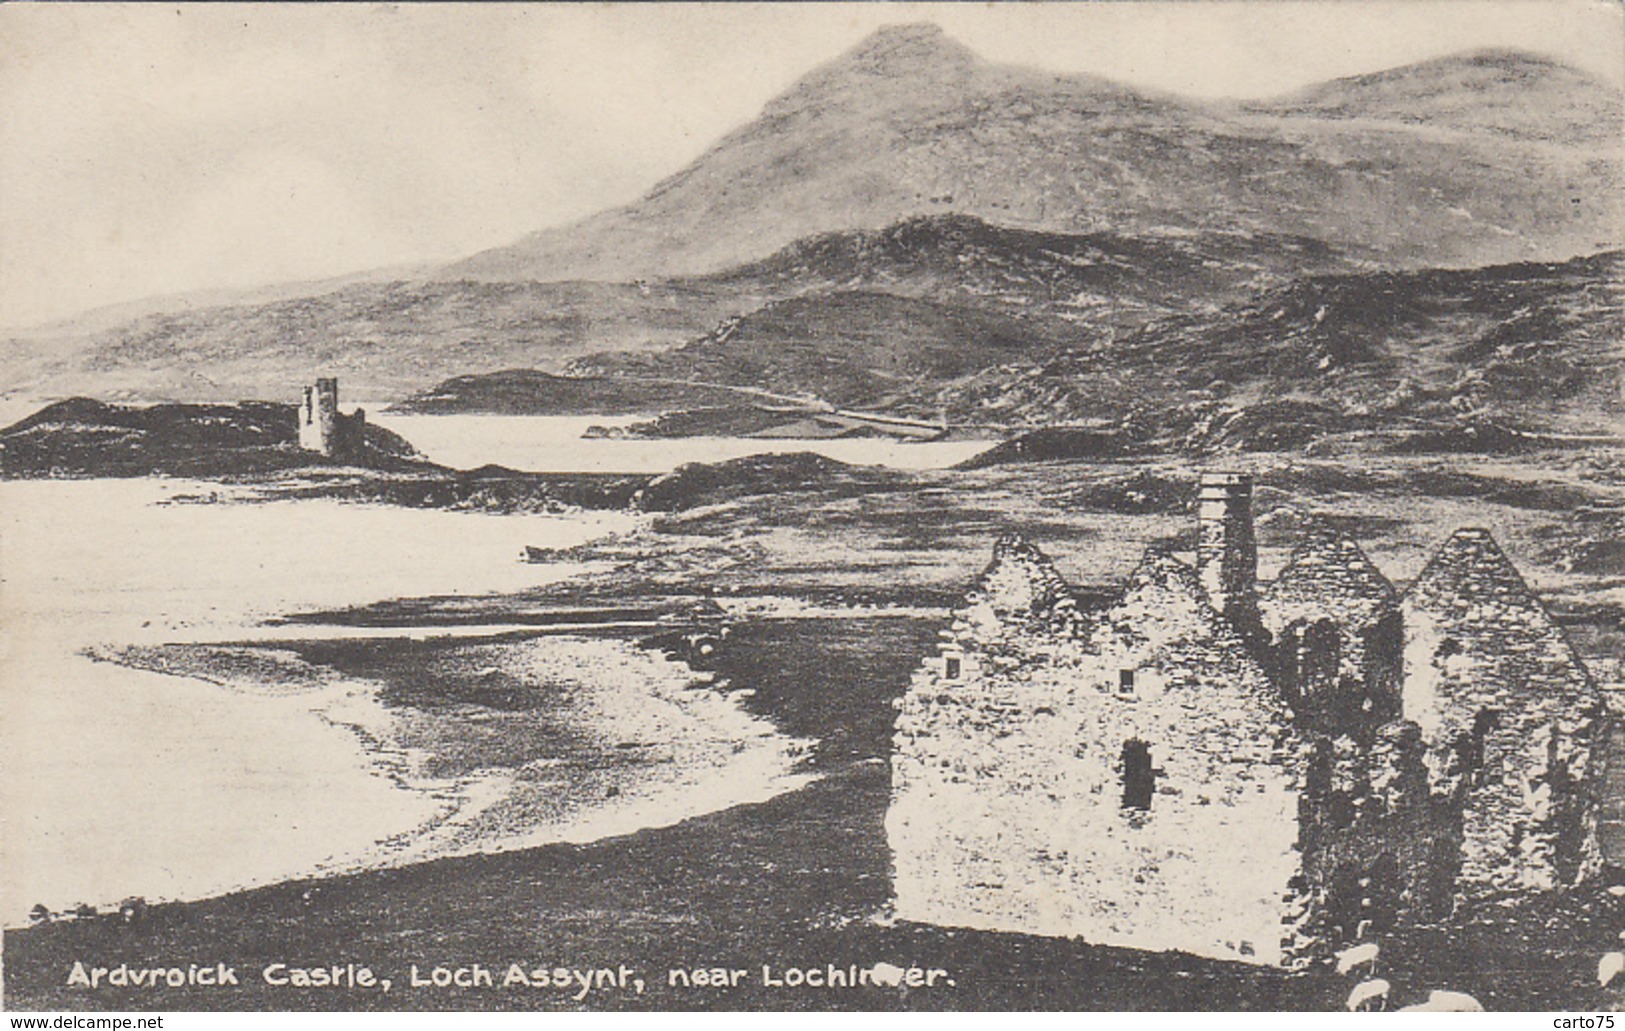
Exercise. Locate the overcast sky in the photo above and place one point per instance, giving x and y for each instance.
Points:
(150, 148)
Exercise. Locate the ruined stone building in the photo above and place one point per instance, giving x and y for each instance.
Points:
(1243, 771)
(322, 427)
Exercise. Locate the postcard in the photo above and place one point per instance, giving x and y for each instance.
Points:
(671, 507)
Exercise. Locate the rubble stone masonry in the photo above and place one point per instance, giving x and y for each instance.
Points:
(1147, 773)
(1130, 778)
(1511, 717)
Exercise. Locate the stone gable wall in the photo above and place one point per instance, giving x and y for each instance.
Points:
(1330, 578)
(1009, 782)
(1511, 718)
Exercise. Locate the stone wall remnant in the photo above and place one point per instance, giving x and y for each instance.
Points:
(1262, 776)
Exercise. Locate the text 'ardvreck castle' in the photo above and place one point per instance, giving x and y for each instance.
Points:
(1245, 771)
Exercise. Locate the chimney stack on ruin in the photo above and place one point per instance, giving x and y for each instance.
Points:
(1226, 554)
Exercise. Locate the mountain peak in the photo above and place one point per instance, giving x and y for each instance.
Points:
(911, 122)
(910, 57)
(1484, 67)
(1505, 91)
(905, 47)
(1509, 59)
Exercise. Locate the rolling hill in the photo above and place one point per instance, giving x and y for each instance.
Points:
(382, 340)
(1504, 357)
(1533, 348)
(388, 339)
(1505, 92)
(846, 348)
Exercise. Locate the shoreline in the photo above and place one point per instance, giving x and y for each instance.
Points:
(714, 754)
(642, 900)
(236, 787)
(801, 880)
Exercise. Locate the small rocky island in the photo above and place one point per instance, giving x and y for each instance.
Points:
(83, 437)
(281, 451)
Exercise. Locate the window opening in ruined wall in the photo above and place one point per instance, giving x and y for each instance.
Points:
(1125, 682)
(1139, 779)
(951, 667)
(1469, 744)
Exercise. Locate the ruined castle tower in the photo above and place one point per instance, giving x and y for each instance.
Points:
(1226, 555)
(324, 429)
(319, 417)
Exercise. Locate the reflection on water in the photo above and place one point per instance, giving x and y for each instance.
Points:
(555, 444)
(120, 781)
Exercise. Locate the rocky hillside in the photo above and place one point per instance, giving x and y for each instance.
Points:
(1530, 348)
(1097, 278)
(1462, 161)
(845, 348)
(384, 340)
(1478, 359)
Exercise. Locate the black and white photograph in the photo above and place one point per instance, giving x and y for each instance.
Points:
(1058, 506)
